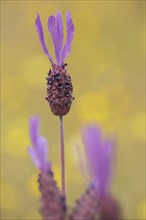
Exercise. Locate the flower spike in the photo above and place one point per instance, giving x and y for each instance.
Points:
(53, 204)
(59, 85)
(97, 202)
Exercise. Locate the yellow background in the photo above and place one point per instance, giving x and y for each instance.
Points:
(107, 68)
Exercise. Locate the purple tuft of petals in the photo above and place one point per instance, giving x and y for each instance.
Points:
(39, 149)
(39, 29)
(99, 154)
(69, 38)
(55, 27)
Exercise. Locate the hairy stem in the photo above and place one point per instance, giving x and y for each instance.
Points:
(62, 155)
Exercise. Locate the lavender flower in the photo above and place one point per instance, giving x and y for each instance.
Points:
(39, 149)
(52, 201)
(99, 153)
(59, 86)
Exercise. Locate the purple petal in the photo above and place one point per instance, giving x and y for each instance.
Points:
(106, 163)
(99, 155)
(59, 25)
(54, 33)
(103, 169)
(69, 38)
(42, 151)
(39, 154)
(34, 129)
(39, 29)
(39, 149)
(92, 140)
(34, 157)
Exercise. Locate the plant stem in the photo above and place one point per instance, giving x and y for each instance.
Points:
(62, 154)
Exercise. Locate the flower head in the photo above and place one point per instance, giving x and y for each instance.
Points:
(59, 86)
(39, 149)
(99, 153)
(55, 27)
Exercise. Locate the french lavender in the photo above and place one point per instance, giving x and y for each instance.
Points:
(96, 203)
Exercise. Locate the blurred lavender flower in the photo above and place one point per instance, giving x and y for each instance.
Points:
(52, 201)
(59, 86)
(39, 149)
(99, 152)
(96, 202)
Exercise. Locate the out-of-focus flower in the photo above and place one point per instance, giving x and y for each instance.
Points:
(52, 201)
(97, 202)
(39, 149)
(99, 152)
(59, 86)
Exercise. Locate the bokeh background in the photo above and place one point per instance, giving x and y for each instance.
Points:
(107, 68)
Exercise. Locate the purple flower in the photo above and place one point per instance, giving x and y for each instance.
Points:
(39, 149)
(99, 153)
(55, 27)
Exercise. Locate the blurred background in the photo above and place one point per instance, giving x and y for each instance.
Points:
(107, 67)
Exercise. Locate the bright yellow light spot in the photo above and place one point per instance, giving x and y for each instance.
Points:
(9, 197)
(16, 138)
(33, 185)
(93, 106)
(142, 210)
